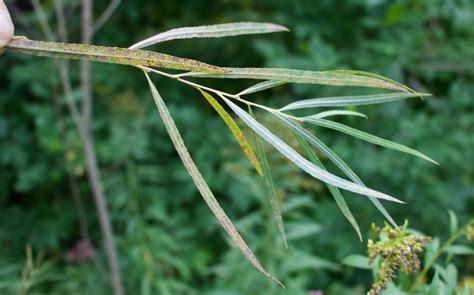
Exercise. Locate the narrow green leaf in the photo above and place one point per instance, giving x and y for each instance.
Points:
(270, 187)
(331, 155)
(302, 162)
(342, 101)
(109, 55)
(453, 222)
(357, 261)
(298, 76)
(301, 230)
(335, 192)
(261, 86)
(201, 184)
(367, 74)
(331, 113)
(368, 137)
(236, 131)
(460, 250)
(213, 31)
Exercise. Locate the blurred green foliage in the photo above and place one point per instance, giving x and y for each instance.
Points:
(168, 241)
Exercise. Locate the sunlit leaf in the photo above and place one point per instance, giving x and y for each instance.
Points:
(341, 203)
(298, 76)
(331, 113)
(302, 162)
(342, 101)
(367, 137)
(201, 184)
(261, 87)
(236, 131)
(270, 187)
(212, 31)
(331, 155)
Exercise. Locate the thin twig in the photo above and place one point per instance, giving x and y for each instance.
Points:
(106, 14)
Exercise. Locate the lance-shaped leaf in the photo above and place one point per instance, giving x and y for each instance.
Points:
(367, 137)
(213, 31)
(298, 76)
(201, 184)
(236, 131)
(261, 87)
(331, 155)
(335, 113)
(109, 55)
(367, 74)
(342, 101)
(302, 162)
(270, 187)
(335, 192)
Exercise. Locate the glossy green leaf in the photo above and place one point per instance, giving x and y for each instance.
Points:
(302, 162)
(236, 131)
(367, 137)
(335, 192)
(342, 101)
(201, 184)
(212, 31)
(270, 187)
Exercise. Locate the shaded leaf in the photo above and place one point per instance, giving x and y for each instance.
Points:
(357, 261)
(453, 222)
(270, 187)
(300, 230)
(367, 137)
(236, 131)
(201, 184)
(342, 101)
(212, 31)
(341, 203)
(300, 161)
(460, 250)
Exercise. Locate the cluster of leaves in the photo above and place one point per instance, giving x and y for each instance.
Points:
(424, 45)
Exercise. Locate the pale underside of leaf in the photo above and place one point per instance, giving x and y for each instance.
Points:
(332, 156)
(335, 192)
(270, 187)
(201, 184)
(236, 131)
(302, 162)
(367, 137)
(110, 55)
(212, 31)
(331, 113)
(299, 76)
(261, 87)
(342, 101)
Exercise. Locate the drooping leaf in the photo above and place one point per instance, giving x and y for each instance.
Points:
(367, 137)
(201, 184)
(335, 192)
(331, 113)
(261, 86)
(302, 162)
(270, 187)
(236, 131)
(342, 101)
(110, 55)
(299, 76)
(331, 155)
(212, 31)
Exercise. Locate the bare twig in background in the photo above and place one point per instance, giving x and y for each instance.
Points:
(104, 17)
(89, 151)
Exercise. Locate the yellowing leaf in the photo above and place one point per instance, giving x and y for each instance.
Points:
(236, 131)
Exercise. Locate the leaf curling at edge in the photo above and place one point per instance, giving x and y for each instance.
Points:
(212, 31)
(302, 162)
(301, 76)
(270, 187)
(368, 137)
(331, 155)
(201, 184)
(236, 131)
(335, 192)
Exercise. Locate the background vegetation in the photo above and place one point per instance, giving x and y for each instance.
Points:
(168, 241)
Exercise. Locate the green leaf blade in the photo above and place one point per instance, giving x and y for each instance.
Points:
(261, 87)
(201, 184)
(212, 31)
(331, 113)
